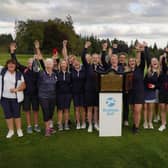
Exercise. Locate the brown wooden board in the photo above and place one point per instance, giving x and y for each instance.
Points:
(111, 82)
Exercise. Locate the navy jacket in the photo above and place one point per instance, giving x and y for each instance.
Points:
(78, 80)
(64, 83)
(30, 78)
(92, 77)
(150, 79)
(138, 76)
(47, 85)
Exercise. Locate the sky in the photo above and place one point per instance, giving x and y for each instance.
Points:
(146, 20)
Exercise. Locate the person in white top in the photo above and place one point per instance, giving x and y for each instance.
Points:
(11, 87)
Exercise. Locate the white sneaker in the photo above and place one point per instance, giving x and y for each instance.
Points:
(20, 133)
(145, 125)
(83, 126)
(151, 126)
(10, 134)
(96, 126)
(126, 124)
(162, 128)
(78, 126)
(90, 128)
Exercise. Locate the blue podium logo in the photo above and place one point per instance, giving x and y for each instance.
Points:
(110, 102)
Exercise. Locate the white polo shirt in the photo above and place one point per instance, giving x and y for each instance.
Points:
(9, 83)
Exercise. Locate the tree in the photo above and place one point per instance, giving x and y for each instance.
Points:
(50, 33)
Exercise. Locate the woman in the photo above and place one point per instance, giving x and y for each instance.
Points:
(136, 93)
(91, 86)
(151, 84)
(47, 80)
(12, 86)
(163, 92)
(78, 82)
(113, 64)
(31, 91)
(63, 95)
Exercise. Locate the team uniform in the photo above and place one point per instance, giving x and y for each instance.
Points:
(64, 93)
(150, 79)
(31, 91)
(78, 84)
(136, 93)
(47, 92)
(92, 82)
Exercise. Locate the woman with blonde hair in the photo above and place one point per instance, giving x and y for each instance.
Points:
(78, 76)
(63, 95)
(150, 86)
(91, 64)
(136, 92)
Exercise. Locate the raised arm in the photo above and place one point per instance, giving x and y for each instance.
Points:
(84, 61)
(142, 61)
(140, 57)
(13, 56)
(147, 55)
(104, 53)
(37, 48)
(38, 57)
(64, 50)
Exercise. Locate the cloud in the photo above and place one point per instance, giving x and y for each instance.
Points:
(117, 18)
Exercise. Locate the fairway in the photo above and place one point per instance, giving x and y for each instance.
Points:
(81, 149)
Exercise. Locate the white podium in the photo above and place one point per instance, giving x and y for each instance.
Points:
(110, 114)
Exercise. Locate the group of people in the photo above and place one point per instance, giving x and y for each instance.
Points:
(55, 82)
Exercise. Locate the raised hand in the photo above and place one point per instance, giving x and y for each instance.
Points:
(88, 44)
(65, 42)
(36, 44)
(12, 47)
(139, 47)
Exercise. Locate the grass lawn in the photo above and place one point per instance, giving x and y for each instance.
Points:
(80, 149)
